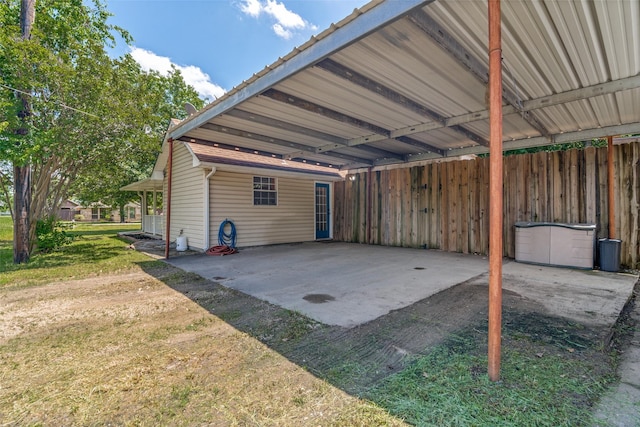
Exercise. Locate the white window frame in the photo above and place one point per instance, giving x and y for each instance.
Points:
(259, 187)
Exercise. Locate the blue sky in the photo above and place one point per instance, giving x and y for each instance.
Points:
(219, 43)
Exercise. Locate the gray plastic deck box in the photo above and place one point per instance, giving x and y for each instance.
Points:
(558, 244)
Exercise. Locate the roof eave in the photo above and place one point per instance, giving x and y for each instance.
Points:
(261, 170)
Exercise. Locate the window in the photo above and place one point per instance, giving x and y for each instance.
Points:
(131, 212)
(264, 191)
(99, 213)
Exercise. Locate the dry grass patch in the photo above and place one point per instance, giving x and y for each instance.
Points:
(129, 350)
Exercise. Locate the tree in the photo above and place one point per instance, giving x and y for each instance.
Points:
(87, 112)
(21, 169)
(159, 98)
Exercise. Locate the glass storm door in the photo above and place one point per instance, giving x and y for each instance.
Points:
(323, 214)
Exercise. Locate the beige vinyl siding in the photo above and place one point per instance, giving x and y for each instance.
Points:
(187, 211)
(292, 220)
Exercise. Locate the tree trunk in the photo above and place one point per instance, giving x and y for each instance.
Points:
(27, 16)
(22, 202)
(22, 173)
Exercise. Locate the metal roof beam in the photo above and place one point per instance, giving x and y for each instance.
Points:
(421, 145)
(276, 141)
(378, 152)
(380, 132)
(449, 44)
(520, 144)
(336, 142)
(532, 104)
(285, 98)
(562, 138)
(293, 155)
(380, 15)
(389, 94)
(356, 142)
(286, 126)
(583, 93)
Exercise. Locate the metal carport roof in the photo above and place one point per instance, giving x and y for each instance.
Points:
(401, 81)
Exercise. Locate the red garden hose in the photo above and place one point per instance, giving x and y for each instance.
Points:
(221, 250)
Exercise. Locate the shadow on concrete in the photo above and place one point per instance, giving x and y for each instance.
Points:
(358, 358)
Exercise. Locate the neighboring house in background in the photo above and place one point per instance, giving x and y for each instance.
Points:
(95, 212)
(68, 210)
(269, 199)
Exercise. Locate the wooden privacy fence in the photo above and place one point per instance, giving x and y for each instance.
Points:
(445, 205)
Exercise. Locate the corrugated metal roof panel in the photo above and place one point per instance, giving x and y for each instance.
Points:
(270, 108)
(417, 83)
(271, 131)
(403, 59)
(349, 99)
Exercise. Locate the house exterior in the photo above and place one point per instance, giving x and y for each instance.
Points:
(97, 212)
(399, 83)
(269, 199)
(68, 210)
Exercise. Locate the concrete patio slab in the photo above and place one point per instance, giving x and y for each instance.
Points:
(349, 284)
(591, 297)
(357, 283)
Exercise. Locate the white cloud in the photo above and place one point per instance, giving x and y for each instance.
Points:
(286, 20)
(285, 17)
(192, 75)
(281, 32)
(251, 7)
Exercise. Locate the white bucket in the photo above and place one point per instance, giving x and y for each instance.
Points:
(181, 243)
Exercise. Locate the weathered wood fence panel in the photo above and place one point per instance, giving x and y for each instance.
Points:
(446, 205)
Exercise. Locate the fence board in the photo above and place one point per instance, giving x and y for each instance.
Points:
(451, 213)
(602, 213)
(474, 205)
(590, 183)
(624, 194)
(435, 228)
(634, 240)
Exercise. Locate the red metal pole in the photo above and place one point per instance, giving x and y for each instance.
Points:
(610, 189)
(495, 190)
(167, 215)
(369, 205)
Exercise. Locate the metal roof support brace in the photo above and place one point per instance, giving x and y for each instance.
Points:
(495, 190)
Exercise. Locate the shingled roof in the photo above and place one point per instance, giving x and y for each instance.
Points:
(214, 154)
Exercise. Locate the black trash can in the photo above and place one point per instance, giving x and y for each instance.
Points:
(610, 255)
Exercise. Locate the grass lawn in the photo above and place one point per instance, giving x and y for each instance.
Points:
(96, 250)
(96, 334)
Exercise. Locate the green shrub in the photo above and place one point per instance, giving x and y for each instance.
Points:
(78, 217)
(51, 235)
